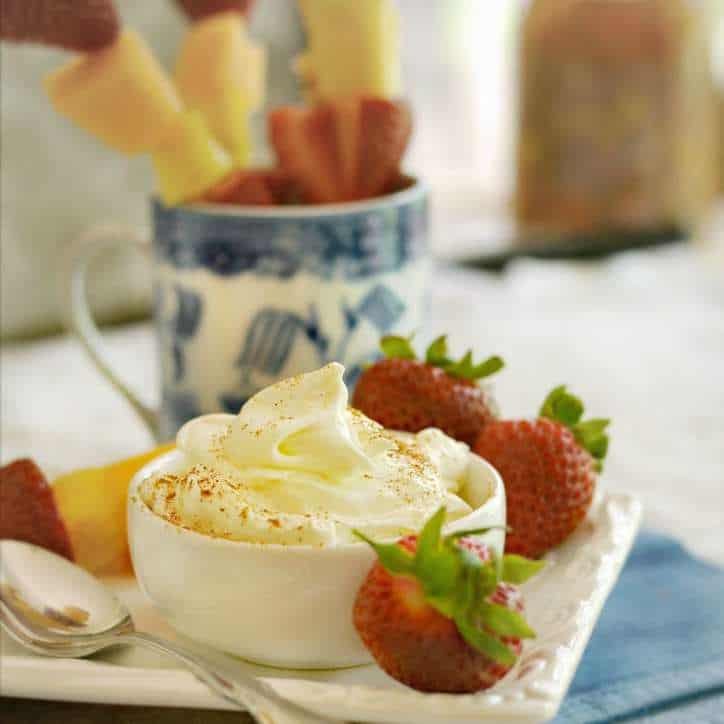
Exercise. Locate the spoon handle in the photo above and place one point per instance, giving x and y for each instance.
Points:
(226, 680)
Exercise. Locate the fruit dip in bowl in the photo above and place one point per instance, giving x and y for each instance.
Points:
(243, 536)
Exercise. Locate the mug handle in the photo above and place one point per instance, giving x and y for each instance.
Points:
(93, 244)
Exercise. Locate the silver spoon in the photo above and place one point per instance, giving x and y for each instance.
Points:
(52, 607)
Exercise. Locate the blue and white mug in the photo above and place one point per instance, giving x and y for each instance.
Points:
(245, 296)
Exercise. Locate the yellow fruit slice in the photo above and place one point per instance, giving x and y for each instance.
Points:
(190, 160)
(221, 73)
(353, 48)
(92, 504)
(120, 94)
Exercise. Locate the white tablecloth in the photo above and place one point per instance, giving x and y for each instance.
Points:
(640, 338)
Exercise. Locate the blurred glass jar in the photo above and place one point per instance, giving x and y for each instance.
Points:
(618, 126)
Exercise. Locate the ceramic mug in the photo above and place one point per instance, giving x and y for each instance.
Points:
(245, 296)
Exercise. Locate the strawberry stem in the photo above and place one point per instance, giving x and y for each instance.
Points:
(568, 409)
(396, 347)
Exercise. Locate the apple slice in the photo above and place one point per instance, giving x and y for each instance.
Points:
(28, 509)
(92, 502)
(80, 25)
(120, 94)
(353, 48)
(220, 72)
(190, 161)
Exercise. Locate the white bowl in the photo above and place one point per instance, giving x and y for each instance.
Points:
(287, 606)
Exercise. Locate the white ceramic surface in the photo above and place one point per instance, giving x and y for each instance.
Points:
(563, 604)
(287, 606)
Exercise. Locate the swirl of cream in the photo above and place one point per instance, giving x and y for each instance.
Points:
(297, 466)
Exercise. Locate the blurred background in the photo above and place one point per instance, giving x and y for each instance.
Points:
(618, 130)
(555, 128)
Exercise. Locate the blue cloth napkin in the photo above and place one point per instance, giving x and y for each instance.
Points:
(657, 653)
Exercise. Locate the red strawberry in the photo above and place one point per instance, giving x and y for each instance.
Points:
(548, 466)
(252, 187)
(344, 150)
(399, 182)
(28, 511)
(305, 144)
(81, 25)
(404, 393)
(197, 9)
(435, 614)
(384, 132)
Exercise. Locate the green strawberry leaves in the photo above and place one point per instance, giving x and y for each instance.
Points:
(504, 621)
(567, 409)
(562, 407)
(437, 356)
(395, 347)
(489, 645)
(393, 558)
(457, 582)
(516, 569)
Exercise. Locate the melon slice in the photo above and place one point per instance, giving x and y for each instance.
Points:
(189, 161)
(120, 94)
(353, 48)
(92, 504)
(220, 72)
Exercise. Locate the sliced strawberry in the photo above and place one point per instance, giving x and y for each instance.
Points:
(398, 182)
(385, 128)
(305, 143)
(197, 9)
(245, 188)
(28, 511)
(80, 25)
(252, 187)
(344, 150)
(282, 186)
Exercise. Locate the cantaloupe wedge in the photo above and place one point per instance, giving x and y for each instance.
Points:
(353, 48)
(92, 504)
(120, 94)
(189, 161)
(221, 72)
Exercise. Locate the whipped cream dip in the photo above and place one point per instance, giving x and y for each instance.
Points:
(298, 466)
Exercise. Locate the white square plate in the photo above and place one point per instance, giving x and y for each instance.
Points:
(562, 604)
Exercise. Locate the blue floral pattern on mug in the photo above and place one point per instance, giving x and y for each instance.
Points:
(306, 289)
(353, 246)
(272, 334)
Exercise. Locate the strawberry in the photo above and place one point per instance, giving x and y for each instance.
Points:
(304, 141)
(343, 150)
(442, 614)
(549, 469)
(249, 187)
(385, 129)
(404, 393)
(80, 25)
(198, 9)
(28, 511)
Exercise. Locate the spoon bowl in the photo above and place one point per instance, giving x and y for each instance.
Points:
(52, 607)
(48, 596)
